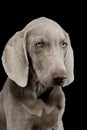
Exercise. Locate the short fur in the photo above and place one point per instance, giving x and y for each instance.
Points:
(32, 59)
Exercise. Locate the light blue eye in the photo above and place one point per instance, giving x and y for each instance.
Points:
(39, 44)
(64, 44)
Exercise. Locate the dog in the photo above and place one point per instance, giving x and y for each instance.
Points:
(38, 61)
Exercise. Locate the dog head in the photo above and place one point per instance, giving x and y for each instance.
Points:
(49, 49)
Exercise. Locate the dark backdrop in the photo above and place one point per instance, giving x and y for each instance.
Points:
(71, 17)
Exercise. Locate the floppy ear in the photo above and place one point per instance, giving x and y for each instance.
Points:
(15, 60)
(69, 64)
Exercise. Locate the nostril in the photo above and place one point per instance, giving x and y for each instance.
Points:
(59, 80)
(59, 77)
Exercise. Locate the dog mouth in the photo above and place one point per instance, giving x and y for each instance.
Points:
(51, 83)
(45, 95)
(45, 88)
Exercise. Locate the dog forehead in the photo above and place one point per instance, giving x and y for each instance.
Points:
(45, 26)
(48, 32)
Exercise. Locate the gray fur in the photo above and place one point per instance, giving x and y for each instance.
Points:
(31, 69)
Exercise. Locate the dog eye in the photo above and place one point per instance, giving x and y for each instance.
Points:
(39, 44)
(64, 44)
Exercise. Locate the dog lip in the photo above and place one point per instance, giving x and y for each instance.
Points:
(52, 83)
(59, 84)
(45, 95)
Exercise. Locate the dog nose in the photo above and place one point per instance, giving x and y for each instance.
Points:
(59, 78)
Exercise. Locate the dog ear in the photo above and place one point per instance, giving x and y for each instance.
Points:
(69, 64)
(14, 59)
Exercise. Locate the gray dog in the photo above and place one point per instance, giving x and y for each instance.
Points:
(39, 62)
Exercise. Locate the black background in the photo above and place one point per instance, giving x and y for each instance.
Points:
(72, 17)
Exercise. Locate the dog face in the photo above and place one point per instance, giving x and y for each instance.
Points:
(47, 48)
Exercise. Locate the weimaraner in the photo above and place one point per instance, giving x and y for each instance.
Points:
(39, 62)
